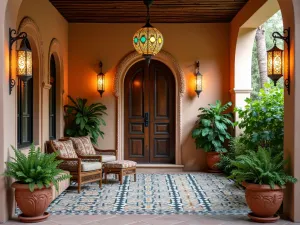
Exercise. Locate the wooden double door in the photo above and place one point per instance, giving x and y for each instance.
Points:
(149, 113)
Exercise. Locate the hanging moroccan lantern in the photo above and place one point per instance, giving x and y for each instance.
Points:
(275, 63)
(148, 40)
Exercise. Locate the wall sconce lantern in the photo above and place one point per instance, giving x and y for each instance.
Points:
(101, 81)
(24, 59)
(198, 79)
(275, 57)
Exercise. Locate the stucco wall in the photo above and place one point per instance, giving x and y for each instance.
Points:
(50, 25)
(89, 43)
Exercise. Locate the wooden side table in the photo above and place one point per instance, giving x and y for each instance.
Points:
(121, 168)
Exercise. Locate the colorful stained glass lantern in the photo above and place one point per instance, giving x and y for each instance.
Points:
(148, 40)
(198, 80)
(101, 81)
(275, 65)
(24, 62)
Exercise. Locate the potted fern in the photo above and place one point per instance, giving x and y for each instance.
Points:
(212, 131)
(85, 119)
(263, 176)
(35, 174)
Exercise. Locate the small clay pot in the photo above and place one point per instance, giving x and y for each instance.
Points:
(212, 158)
(262, 200)
(32, 204)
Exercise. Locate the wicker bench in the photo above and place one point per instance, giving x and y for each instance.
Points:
(121, 168)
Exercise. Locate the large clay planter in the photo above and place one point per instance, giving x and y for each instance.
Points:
(263, 201)
(32, 204)
(212, 158)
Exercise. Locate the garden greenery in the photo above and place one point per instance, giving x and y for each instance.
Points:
(236, 148)
(85, 120)
(260, 167)
(262, 119)
(37, 168)
(212, 127)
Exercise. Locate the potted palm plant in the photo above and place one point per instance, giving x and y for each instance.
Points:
(212, 131)
(85, 119)
(263, 176)
(35, 174)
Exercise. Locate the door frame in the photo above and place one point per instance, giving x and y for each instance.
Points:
(121, 71)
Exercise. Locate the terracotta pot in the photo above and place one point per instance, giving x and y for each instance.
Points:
(262, 200)
(32, 204)
(212, 158)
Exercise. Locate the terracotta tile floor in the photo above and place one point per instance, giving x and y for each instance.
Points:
(148, 220)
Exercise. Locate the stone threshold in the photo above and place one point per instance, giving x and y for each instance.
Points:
(151, 168)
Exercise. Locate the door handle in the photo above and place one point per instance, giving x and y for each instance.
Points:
(146, 120)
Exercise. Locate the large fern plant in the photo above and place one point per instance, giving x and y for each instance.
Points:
(212, 127)
(85, 119)
(260, 167)
(37, 168)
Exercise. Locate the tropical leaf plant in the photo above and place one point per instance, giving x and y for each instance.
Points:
(83, 119)
(212, 127)
(36, 169)
(261, 167)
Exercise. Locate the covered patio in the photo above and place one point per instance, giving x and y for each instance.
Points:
(68, 39)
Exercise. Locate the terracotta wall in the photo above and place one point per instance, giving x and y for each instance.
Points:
(209, 43)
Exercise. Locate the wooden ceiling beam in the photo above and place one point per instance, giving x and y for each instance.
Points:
(162, 11)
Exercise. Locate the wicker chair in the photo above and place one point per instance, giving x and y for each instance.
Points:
(80, 167)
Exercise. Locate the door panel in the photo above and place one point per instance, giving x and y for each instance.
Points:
(149, 113)
(162, 107)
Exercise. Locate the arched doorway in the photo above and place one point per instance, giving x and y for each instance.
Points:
(149, 113)
(180, 87)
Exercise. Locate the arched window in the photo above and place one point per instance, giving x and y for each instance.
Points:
(25, 109)
(52, 99)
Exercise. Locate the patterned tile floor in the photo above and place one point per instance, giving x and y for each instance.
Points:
(150, 220)
(158, 194)
(206, 199)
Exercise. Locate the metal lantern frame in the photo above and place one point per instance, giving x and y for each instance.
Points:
(101, 77)
(198, 79)
(13, 37)
(286, 38)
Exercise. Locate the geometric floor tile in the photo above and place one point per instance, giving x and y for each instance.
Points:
(155, 194)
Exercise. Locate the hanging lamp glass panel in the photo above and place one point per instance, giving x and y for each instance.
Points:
(275, 63)
(148, 41)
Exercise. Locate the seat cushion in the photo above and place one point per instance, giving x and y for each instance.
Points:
(65, 149)
(83, 145)
(89, 166)
(108, 158)
(120, 164)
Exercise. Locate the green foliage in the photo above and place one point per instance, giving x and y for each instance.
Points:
(85, 120)
(260, 167)
(275, 23)
(262, 119)
(37, 168)
(212, 127)
(236, 148)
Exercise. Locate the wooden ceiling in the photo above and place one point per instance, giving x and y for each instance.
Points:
(162, 11)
